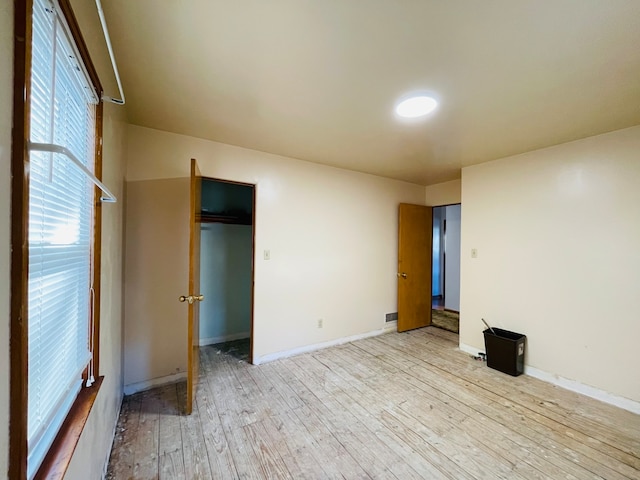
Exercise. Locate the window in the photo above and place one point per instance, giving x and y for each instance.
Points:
(61, 223)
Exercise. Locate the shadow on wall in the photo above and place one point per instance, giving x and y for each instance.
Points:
(225, 281)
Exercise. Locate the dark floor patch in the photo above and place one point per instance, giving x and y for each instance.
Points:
(446, 320)
(236, 348)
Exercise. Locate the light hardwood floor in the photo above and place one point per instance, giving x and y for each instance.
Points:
(399, 406)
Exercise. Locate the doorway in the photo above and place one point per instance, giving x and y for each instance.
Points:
(445, 291)
(226, 266)
(446, 258)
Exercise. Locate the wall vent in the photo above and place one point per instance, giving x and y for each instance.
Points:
(391, 317)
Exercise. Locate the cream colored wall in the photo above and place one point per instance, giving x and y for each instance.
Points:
(332, 235)
(156, 274)
(446, 193)
(557, 232)
(6, 83)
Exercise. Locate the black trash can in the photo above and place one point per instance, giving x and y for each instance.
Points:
(505, 351)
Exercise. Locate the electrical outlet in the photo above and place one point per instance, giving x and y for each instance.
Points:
(474, 253)
(320, 323)
(267, 254)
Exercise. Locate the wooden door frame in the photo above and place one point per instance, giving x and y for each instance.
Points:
(254, 187)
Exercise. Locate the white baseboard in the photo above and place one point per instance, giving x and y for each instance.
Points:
(583, 389)
(154, 382)
(572, 385)
(391, 326)
(470, 350)
(270, 357)
(223, 338)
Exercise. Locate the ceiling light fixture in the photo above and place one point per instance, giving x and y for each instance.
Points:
(416, 106)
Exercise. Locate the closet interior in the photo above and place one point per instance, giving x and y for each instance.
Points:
(226, 261)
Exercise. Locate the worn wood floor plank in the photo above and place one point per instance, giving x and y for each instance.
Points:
(218, 453)
(171, 465)
(267, 451)
(413, 454)
(532, 395)
(587, 448)
(397, 406)
(305, 448)
(441, 426)
(351, 433)
(246, 459)
(122, 458)
(171, 457)
(503, 437)
(329, 452)
(593, 454)
(146, 443)
(196, 459)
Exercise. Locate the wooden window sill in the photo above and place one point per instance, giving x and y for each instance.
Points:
(57, 460)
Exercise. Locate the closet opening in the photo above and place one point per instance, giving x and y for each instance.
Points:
(227, 266)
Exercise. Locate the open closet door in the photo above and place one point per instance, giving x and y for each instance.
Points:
(195, 297)
(415, 235)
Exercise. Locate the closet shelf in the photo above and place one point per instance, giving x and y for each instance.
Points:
(229, 219)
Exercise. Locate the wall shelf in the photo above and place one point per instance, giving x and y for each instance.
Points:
(221, 218)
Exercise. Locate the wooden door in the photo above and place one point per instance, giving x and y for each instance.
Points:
(415, 232)
(193, 340)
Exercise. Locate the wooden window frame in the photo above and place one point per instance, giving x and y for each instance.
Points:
(60, 453)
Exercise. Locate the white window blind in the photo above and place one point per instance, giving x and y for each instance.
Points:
(59, 230)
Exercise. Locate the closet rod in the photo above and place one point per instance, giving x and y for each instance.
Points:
(53, 148)
(107, 38)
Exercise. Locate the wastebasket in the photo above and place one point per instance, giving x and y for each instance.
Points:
(505, 351)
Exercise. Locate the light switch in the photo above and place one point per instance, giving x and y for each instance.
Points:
(474, 253)
(267, 254)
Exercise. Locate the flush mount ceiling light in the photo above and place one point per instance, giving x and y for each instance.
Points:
(416, 106)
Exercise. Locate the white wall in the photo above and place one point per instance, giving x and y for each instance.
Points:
(332, 234)
(446, 193)
(225, 281)
(452, 261)
(6, 99)
(557, 232)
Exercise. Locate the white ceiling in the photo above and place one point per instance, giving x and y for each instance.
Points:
(317, 79)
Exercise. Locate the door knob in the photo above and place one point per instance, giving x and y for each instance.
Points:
(191, 298)
(403, 275)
